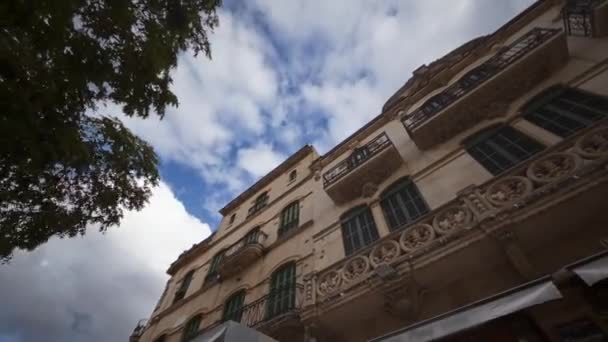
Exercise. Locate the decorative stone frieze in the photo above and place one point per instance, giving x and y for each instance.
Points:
(508, 190)
(593, 144)
(417, 237)
(553, 167)
(452, 219)
(386, 252)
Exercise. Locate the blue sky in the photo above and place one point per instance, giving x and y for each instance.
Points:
(283, 74)
(287, 73)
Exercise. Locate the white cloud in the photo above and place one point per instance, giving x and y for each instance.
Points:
(95, 288)
(259, 159)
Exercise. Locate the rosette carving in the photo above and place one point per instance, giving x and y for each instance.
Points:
(452, 219)
(329, 282)
(593, 144)
(509, 190)
(355, 268)
(416, 237)
(384, 253)
(553, 167)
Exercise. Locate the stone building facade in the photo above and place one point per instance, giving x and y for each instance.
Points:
(474, 207)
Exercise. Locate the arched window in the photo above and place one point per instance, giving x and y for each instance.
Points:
(259, 203)
(499, 148)
(402, 204)
(233, 309)
(293, 175)
(563, 111)
(290, 217)
(232, 218)
(191, 328)
(358, 229)
(183, 288)
(282, 295)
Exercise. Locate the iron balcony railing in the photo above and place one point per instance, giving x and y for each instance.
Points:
(471, 80)
(578, 17)
(255, 237)
(277, 303)
(359, 156)
(139, 329)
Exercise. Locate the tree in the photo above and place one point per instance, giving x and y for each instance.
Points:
(63, 166)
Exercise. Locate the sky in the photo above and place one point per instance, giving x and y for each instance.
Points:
(283, 74)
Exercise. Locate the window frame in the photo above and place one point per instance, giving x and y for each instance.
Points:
(293, 175)
(496, 148)
(289, 217)
(183, 287)
(282, 291)
(563, 111)
(358, 228)
(191, 328)
(399, 214)
(233, 306)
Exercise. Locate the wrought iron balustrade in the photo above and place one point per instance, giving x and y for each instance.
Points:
(359, 156)
(471, 80)
(139, 329)
(578, 17)
(273, 305)
(252, 238)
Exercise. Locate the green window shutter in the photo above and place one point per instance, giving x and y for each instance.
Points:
(282, 295)
(358, 229)
(499, 149)
(183, 288)
(191, 328)
(233, 309)
(565, 111)
(290, 217)
(402, 204)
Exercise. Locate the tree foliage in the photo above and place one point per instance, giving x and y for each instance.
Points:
(63, 166)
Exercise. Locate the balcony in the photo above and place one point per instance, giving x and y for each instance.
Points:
(242, 254)
(138, 331)
(366, 166)
(565, 181)
(487, 91)
(586, 18)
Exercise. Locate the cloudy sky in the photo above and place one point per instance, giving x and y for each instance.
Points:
(283, 74)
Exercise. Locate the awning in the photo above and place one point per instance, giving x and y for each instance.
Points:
(521, 297)
(232, 332)
(592, 271)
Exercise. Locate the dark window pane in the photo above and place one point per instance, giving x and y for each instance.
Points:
(568, 112)
(402, 204)
(281, 298)
(289, 217)
(358, 229)
(501, 148)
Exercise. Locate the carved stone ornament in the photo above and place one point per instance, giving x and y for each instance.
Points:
(508, 190)
(369, 189)
(329, 283)
(452, 219)
(386, 252)
(416, 237)
(355, 268)
(553, 167)
(593, 144)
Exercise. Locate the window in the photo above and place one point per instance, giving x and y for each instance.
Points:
(290, 217)
(183, 288)
(282, 295)
(402, 204)
(499, 149)
(358, 229)
(293, 175)
(232, 218)
(191, 328)
(161, 338)
(259, 204)
(565, 111)
(233, 309)
(215, 264)
(252, 236)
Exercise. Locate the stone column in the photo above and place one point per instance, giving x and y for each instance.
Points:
(378, 215)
